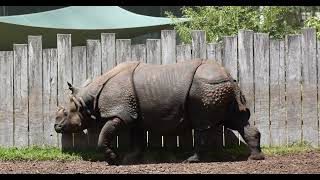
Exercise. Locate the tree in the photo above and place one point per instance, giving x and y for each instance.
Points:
(219, 21)
(313, 22)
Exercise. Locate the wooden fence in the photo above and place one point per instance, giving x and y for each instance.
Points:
(278, 77)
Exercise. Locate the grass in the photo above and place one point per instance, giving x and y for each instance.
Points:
(229, 153)
(292, 148)
(36, 154)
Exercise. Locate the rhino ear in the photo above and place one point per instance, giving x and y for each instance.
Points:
(87, 82)
(73, 89)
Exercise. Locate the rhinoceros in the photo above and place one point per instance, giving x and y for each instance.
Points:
(166, 99)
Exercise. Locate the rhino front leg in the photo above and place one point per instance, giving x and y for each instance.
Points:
(107, 134)
(251, 135)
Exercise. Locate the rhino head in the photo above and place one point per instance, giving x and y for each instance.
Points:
(70, 119)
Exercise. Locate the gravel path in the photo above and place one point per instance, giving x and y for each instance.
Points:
(308, 162)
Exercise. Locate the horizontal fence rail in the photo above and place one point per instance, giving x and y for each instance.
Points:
(278, 77)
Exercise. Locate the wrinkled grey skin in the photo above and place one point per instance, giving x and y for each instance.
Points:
(165, 99)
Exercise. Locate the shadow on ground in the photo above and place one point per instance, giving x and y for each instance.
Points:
(235, 153)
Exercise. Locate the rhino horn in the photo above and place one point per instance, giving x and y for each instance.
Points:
(73, 89)
(59, 108)
(76, 102)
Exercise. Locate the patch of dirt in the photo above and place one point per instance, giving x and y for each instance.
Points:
(298, 163)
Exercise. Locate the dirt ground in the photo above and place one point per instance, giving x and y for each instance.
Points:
(298, 163)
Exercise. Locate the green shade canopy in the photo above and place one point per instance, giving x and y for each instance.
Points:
(82, 22)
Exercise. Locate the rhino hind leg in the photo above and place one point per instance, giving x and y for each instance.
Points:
(138, 143)
(107, 134)
(251, 135)
(200, 146)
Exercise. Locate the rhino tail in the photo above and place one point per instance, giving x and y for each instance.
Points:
(240, 98)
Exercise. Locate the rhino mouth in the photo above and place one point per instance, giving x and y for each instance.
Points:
(60, 128)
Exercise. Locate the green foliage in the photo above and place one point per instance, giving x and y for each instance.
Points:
(313, 22)
(36, 154)
(279, 21)
(219, 21)
(292, 148)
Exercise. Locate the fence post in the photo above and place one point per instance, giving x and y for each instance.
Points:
(6, 96)
(230, 62)
(183, 52)
(245, 56)
(277, 94)
(138, 53)
(93, 70)
(35, 90)
(79, 74)
(293, 79)
(211, 51)
(199, 46)
(50, 63)
(261, 75)
(309, 87)
(108, 51)
(123, 50)
(20, 78)
(64, 75)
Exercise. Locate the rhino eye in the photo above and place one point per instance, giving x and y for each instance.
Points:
(65, 113)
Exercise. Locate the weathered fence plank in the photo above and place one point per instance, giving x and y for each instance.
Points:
(108, 51)
(93, 58)
(50, 63)
(211, 51)
(199, 46)
(6, 96)
(261, 75)
(138, 53)
(293, 78)
(35, 90)
(154, 57)
(168, 46)
(277, 94)
(309, 87)
(123, 50)
(230, 55)
(93, 70)
(318, 76)
(153, 51)
(79, 64)
(219, 53)
(79, 74)
(168, 52)
(183, 52)
(64, 76)
(230, 59)
(20, 94)
(245, 58)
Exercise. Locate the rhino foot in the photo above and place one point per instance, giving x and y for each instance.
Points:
(192, 159)
(112, 159)
(132, 158)
(257, 156)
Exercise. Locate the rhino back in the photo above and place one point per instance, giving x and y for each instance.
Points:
(161, 92)
(212, 73)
